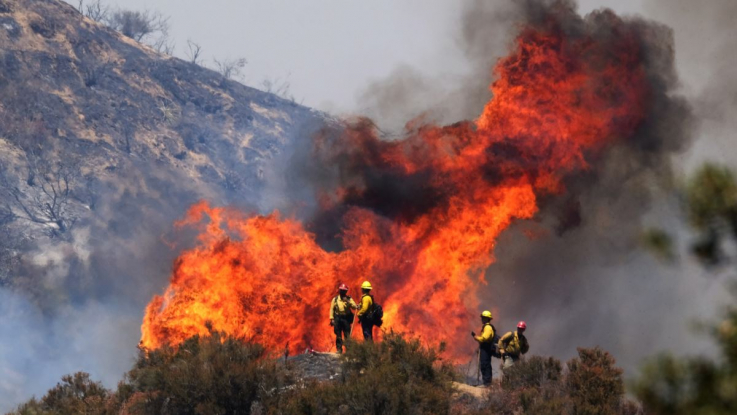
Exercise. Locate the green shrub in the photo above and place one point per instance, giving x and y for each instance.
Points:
(204, 375)
(76, 394)
(694, 385)
(220, 375)
(395, 376)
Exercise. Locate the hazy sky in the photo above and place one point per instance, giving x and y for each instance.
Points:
(328, 50)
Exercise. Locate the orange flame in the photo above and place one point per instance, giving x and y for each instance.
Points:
(557, 103)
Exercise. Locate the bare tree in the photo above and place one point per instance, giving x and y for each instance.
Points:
(95, 11)
(278, 87)
(194, 51)
(164, 45)
(6, 215)
(138, 25)
(10, 255)
(11, 240)
(230, 68)
(44, 196)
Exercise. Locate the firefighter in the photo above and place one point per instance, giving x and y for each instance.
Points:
(367, 303)
(512, 345)
(341, 316)
(486, 346)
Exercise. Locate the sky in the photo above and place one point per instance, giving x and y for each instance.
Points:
(327, 50)
(330, 51)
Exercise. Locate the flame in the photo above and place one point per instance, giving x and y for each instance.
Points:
(558, 101)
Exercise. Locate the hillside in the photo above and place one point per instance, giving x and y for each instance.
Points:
(104, 143)
(131, 130)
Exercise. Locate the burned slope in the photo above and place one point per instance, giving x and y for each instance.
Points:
(122, 128)
(103, 143)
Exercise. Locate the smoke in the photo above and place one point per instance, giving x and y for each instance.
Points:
(587, 280)
(75, 303)
(584, 278)
(706, 40)
(37, 349)
(484, 35)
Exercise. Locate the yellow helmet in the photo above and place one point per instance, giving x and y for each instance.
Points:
(486, 313)
(366, 285)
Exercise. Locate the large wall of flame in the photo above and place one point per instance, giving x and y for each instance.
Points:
(418, 216)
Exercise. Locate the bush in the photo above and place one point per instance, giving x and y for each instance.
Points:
(533, 386)
(76, 394)
(694, 385)
(205, 375)
(593, 383)
(550, 399)
(396, 376)
(138, 25)
(220, 375)
(535, 371)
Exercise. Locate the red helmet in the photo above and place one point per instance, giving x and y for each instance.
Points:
(342, 287)
(521, 325)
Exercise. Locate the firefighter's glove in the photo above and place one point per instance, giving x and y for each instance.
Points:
(332, 322)
(473, 334)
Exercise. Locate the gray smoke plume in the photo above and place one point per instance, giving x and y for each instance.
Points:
(584, 278)
(587, 280)
(706, 57)
(484, 35)
(75, 303)
(91, 184)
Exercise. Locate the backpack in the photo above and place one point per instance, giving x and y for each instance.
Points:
(375, 315)
(495, 343)
(334, 304)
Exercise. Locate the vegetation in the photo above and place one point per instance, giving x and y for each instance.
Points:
(694, 385)
(218, 375)
(395, 376)
(44, 195)
(76, 394)
(151, 28)
(699, 385)
(590, 384)
(711, 205)
(204, 375)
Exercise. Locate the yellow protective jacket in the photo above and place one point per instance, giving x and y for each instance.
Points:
(366, 303)
(487, 334)
(513, 344)
(341, 306)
